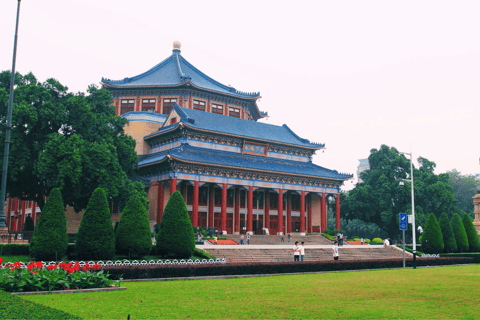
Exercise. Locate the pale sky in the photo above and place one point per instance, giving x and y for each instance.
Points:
(350, 74)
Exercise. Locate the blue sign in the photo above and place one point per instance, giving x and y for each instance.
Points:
(403, 221)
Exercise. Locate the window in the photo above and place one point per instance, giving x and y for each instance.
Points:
(148, 105)
(168, 105)
(230, 196)
(127, 106)
(173, 120)
(273, 200)
(295, 202)
(199, 105)
(203, 196)
(217, 108)
(234, 112)
(218, 197)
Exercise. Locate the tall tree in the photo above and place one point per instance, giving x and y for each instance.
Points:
(464, 187)
(379, 198)
(450, 245)
(432, 239)
(460, 234)
(473, 240)
(74, 142)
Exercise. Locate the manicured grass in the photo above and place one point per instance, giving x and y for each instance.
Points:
(13, 307)
(426, 293)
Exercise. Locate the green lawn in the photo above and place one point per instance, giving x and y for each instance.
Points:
(426, 293)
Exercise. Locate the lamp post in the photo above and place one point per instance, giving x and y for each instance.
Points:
(413, 211)
(8, 128)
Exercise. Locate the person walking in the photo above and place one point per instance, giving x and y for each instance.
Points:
(241, 239)
(302, 251)
(289, 236)
(248, 238)
(215, 240)
(335, 251)
(282, 239)
(296, 252)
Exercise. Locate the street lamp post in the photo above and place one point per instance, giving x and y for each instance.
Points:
(413, 211)
(8, 128)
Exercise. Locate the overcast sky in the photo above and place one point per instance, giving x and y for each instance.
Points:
(350, 74)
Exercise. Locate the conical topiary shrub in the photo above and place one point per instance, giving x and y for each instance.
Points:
(450, 245)
(175, 237)
(133, 234)
(95, 240)
(459, 232)
(473, 241)
(432, 239)
(49, 241)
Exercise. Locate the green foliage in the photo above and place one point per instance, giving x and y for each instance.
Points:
(377, 241)
(464, 188)
(432, 239)
(379, 198)
(367, 240)
(176, 237)
(331, 232)
(14, 249)
(74, 142)
(475, 255)
(29, 224)
(450, 245)
(95, 239)
(329, 236)
(50, 237)
(133, 232)
(473, 240)
(203, 254)
(460, 234)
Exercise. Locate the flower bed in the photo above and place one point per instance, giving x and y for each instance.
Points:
(38, 276)
(147, 271)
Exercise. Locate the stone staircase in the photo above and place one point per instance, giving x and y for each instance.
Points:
(246, 255)
(276, 240)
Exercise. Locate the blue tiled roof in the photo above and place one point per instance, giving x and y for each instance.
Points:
(175, 70)
(238, 127)
(217, 157)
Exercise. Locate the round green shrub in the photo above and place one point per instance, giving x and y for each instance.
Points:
(450, 245)
(133, 234)
(175, 237)
(420, 239)
(432, 239)
(50, 240)
(95, 239)
(460, 234)
(473, 240)
(377, 240)
(367, 240)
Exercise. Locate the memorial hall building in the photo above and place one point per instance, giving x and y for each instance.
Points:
(202, 138)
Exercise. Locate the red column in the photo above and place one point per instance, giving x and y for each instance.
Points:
(310, 213)
(337, 212)
(196, 189)
(9, 210)
(173, 185)
(211, 202)
(159, 202)
(267, 209)
(289, 212)
(302, 212)
(237, 210)
(250, 210)
(22, 216)
(323, 216)
(281, 229)
(15, 221)
(224, 209)
(34, 212)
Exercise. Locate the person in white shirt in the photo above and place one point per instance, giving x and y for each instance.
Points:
(302, 251)
(335, 251)
(386, 242)
(296, 252)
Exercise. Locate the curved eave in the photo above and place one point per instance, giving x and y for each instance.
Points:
(170, 157)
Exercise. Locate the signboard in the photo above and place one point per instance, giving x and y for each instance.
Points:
(403, 221)
(257, 149)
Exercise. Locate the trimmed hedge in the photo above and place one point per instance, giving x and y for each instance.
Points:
(475, 255)
(460, 233)
(175, 237)
(49, 239)
(329, 237)
(450, 245)
(473, 240)
(14, 250)
(203, 254)
(95, 239)
(14, 307)
(377, 241)
(133, 232)
(176, 270)
(432, 238)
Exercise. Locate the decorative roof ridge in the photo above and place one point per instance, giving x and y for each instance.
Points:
(228, 88)
(146, 73)
(301, 139)
(176, 53)
(183, 115)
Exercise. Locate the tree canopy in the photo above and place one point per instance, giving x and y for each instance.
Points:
(71, 141)
(379, 198)
(464, 187)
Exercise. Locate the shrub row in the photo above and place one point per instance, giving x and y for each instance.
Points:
(475, 255)
(173, 271)
(14, 249)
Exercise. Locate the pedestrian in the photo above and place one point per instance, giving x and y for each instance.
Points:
(241, 239)
(302, 251)
(282, 239)
(248, 238)
(361, 241)
(199, 237)
(289, 236)
(386, 242)
(296, 252)
(215, 239)
(335, 251)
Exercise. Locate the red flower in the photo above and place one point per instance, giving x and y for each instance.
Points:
(95, 267)
(1, 260)
(51, 267)
(67, 289)
(34, 271)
